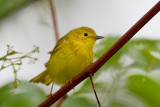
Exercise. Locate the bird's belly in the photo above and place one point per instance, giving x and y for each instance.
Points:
(63, 67)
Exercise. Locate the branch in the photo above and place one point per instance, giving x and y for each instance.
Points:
(54, 20)
(103, 59)
(99, 104)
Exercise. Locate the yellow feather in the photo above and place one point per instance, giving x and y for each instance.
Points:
(43, 77)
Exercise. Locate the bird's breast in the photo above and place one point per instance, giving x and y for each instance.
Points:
(82, 51)
(69, 61)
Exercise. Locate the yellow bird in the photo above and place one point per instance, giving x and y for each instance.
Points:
(71, 55)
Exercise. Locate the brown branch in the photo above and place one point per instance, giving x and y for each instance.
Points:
(54, 20)
(103, 59)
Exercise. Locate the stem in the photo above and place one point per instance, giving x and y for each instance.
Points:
(90, 75)
(103, 59)
(2, 67)
(54, 20)
(15, 74)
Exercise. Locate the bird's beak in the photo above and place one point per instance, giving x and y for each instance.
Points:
(98, 37)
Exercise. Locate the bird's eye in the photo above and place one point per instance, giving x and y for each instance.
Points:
(85, 34)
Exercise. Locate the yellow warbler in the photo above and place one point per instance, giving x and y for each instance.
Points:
(71, 55)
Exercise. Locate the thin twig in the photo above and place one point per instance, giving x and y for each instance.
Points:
(60, 101)
(54, 20)
(90, 75)
(103, 59)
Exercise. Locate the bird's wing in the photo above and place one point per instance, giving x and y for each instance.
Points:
(61, 42)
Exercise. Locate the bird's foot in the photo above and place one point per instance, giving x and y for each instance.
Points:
(50, 95)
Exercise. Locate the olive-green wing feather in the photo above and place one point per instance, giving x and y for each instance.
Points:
(42, 78)
(60, 43)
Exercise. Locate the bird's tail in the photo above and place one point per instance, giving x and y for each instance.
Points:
(43, 77)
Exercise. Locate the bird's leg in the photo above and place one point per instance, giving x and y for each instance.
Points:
(50, 94)
(91, 75)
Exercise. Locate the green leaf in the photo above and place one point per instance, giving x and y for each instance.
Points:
(25, 95)
(78, 102)
(13, 53)
(9, 6)
(146, 89)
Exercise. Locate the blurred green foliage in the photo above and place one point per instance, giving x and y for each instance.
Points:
(78, 102)
(124, 81)
(9, 6)
(145, 88)
(26, 95)
(140, 51)
(128, 79)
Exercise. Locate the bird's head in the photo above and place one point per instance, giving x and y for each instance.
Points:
(84, 34)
